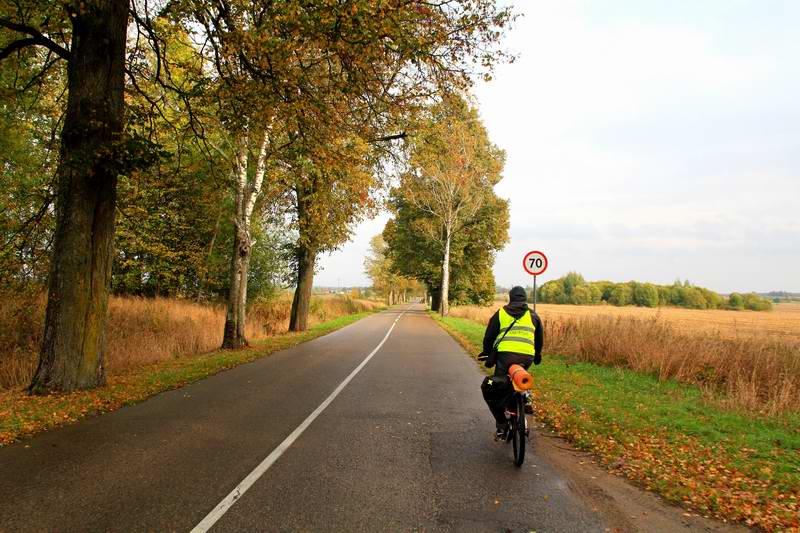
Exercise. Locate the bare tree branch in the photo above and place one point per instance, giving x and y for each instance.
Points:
(36, 39)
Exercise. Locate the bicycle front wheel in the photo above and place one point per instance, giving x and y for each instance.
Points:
(518, 428)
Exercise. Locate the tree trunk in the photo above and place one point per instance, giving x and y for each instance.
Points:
(246, 194)
(301, 303)
(71, 355)
(235, 317)
(444, 304)
(435, 298)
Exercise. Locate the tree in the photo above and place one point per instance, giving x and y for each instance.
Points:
(30, 119)
(664, 295)
(247, 188)
(170, 231)
(238, 69)
(473, 252)
(581, 295)
(754, 302)
(326, 75)
(645, 295)
(571, 281)
(378, 266)
(552, 292)
(330, 196)
(596, 292)
(451, 165)
(92, 155)
(736, 301)
(414, 248)
(693, 298)
(621, 295)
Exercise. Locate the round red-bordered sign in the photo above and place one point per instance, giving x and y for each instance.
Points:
(534, 263)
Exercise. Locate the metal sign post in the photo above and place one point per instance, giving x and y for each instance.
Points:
(534, 264)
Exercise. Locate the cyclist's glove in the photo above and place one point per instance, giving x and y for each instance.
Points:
(489, 359)
(537, 359)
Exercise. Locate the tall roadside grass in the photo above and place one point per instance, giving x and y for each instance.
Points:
(752, 372)
(141, 331)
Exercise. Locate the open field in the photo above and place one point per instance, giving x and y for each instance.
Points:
(142, 331)
(782, 322)
(667, 437)
(726, 353)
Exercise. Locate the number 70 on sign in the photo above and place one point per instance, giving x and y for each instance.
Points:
(534, 263)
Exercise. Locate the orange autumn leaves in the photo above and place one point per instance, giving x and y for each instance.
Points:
(716, 481)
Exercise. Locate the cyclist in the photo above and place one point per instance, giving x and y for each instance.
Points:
(514, 335)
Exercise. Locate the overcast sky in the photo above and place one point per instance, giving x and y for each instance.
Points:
(646, 140)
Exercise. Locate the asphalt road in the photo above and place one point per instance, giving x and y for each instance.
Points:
(406, 446)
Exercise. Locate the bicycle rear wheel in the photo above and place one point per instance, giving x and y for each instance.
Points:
(518, 432)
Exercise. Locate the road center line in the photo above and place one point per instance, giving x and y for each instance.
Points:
(223, 506)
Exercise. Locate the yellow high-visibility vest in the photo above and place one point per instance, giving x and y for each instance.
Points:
(519, 338)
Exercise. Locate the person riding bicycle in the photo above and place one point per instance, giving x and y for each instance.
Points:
(514, 335)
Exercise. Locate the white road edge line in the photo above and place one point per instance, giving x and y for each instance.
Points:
(223, 506)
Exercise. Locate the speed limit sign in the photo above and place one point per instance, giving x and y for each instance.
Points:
(535, 263)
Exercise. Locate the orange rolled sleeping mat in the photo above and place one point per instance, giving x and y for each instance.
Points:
(520, 378)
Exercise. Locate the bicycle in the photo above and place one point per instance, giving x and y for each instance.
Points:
(518, 432)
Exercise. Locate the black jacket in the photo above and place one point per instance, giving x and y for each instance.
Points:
(515, 309)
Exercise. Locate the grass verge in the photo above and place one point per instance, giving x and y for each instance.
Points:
(666, 437)
(22, 415)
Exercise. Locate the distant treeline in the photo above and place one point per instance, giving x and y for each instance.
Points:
(573, 289)
(781, 296)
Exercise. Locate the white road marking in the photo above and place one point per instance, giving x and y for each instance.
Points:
(223, 506)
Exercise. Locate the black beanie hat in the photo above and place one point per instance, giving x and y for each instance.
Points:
(517, 294)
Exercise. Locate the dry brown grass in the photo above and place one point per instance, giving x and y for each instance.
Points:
(782, 322)
(145, 330)
(752, 368)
